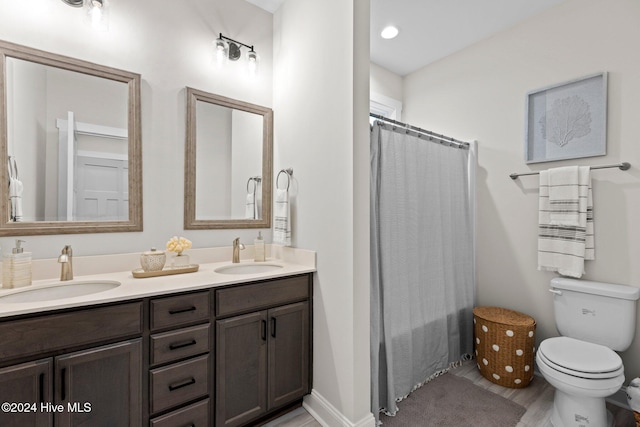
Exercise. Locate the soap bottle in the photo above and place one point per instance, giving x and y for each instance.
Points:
(16, 267)
(258, 248)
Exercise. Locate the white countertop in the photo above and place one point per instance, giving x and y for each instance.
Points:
(133, 288)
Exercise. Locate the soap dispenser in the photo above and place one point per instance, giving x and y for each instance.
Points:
(16, 267)
(258, 248)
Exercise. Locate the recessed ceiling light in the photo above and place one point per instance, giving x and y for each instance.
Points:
(389, 32)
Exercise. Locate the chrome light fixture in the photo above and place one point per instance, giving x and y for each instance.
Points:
(229, 49)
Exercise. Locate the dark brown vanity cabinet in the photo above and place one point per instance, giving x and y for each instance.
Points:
(179, 360)
(75, 379)
(263, 355)
(225, 356)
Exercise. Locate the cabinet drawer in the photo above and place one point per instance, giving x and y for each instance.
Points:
(179, 344)
(179, 383)
(174, 311)
(45, 333)
(196, 415)
(261, 295)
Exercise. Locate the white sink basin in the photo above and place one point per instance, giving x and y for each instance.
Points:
(248, 268)
(59, 291)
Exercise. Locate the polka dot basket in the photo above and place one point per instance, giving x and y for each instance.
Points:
(504, 343)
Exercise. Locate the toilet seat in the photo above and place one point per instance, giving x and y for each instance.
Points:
(580, 358)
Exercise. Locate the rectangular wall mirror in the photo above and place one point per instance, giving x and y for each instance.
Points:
(70, 149)
(228, 163)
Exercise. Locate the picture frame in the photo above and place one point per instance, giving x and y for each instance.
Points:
(567, 120)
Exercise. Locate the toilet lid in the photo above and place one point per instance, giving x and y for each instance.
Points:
(580, 356)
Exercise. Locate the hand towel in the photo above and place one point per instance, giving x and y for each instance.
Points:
(563, 247)
(15, 197)
(250, 207)
(564, 196)
(282, 218)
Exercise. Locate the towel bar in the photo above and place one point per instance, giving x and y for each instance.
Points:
(622, 166)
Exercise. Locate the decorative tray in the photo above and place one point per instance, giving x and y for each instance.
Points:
(167, 271)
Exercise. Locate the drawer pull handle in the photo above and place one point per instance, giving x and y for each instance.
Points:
(182, 345)
(41, 386)
(63, 384)
(184, 383)
(182, 310)
(264, 330)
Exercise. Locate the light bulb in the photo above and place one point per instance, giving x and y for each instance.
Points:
(97, 11)
(221, 51)
(389, 32)
(252, 60)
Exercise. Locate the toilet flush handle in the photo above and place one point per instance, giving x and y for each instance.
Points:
(555, 291)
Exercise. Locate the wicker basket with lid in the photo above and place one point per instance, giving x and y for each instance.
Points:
(504, 341)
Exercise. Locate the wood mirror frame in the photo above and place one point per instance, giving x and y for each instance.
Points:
(190, 220)
(132, 80)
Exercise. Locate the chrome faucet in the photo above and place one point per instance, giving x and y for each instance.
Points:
(66, 259)
(237, 246)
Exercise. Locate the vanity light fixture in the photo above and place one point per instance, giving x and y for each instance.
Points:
(229, 49)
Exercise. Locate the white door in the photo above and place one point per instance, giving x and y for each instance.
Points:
(101, 189)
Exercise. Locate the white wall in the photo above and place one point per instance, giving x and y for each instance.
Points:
(479, 93)
(171, 47)
(25, 99)
(386, 88)
(320, 114)
(213, 161)
(385, 82)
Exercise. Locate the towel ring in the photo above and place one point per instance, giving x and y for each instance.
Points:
(256, 180)
(288, 172)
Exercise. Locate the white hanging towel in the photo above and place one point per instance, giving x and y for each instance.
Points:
(282, 218)
(565, 225)
(15, 195)
(250, 207)
(564, 196)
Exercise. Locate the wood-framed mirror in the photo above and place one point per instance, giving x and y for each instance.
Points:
(70, 145)
(228, 163)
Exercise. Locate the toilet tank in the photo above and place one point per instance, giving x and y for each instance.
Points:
(597, 312)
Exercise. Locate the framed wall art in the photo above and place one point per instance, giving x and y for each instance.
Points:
(567, 120)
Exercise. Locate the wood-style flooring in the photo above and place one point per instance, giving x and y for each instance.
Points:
(537, 398)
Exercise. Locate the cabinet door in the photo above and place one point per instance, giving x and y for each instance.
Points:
(100, 386)
(241, 371)
(26, 385)
(288, 353)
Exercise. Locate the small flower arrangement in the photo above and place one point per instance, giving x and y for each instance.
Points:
(178, 244)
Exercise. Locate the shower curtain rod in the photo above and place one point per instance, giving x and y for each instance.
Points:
(451, 141)
(622, 166)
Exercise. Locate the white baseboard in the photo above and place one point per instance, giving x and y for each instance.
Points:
(327, 414)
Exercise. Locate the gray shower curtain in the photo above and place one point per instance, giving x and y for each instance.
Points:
(422, 261)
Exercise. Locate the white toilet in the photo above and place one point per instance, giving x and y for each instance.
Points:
(594, 319)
